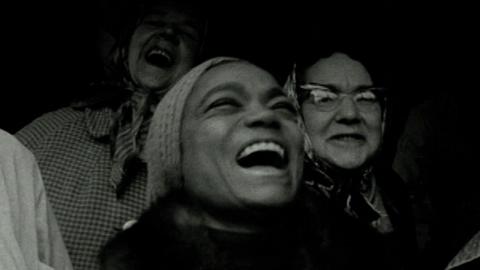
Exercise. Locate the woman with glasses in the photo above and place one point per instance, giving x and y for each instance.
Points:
(344, 108)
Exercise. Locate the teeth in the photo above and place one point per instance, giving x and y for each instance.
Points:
(161, 52)
(263, 146)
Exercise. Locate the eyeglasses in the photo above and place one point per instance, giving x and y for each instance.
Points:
(326, 99)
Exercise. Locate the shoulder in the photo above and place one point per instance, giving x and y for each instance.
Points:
(340, 241)
(19, 173)
(66, 126)
(44, 126)
(12, 150)
(7, 142)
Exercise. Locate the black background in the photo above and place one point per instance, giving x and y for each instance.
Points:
(49, 51)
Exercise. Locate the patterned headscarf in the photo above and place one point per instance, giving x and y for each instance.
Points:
(324, 178)
(162, 148)
(310, 158)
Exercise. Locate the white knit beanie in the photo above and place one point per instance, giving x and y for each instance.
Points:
(162, 147)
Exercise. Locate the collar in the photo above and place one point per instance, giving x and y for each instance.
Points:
(99, 122)
(346, 188)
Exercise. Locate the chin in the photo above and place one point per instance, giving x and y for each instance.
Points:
(271, 197)
(348, 163)
(348, 160)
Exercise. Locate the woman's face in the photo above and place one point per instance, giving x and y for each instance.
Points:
(164, 45)
(242, 148)
(347, 135)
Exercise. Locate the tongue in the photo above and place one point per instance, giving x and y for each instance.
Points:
(262, 158)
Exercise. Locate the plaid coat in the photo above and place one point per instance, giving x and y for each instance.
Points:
(73, 149)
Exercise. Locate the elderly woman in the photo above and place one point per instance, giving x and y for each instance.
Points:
(89, 153)
(225, 157)
(344, 110)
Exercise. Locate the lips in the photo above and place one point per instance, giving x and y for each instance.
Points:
(348, 138)
(263, 153)
(160, 57)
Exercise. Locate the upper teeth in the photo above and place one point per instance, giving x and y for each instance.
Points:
(162, 52)
(263, 146)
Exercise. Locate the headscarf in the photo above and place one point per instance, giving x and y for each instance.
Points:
(132, 106)
(163, 144)
(327, 183)
(325, 178)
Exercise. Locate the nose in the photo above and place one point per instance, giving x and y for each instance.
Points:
(262, 117)
(347, 111)
(170, 33)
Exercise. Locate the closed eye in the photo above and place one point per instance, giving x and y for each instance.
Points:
(366, 96)
(285, 106)
(223, 104)
(323, 96)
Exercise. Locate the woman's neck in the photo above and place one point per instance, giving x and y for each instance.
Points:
(232, 221)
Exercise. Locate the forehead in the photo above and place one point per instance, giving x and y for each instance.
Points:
(337, 69)
(174, 10)
(246, 75)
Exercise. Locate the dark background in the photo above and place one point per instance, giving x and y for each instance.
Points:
(49, 48)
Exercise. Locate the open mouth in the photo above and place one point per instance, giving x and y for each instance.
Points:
(160, 58)
(266, 153)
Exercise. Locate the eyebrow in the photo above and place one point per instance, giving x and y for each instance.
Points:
(335, 89)
(227, 86)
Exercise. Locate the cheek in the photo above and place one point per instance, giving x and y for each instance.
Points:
(373, 125)
(138, 40)
(204, 164)
(133, 52)
(316, 123)
(188, 54)
(199, 139)
(197, 159)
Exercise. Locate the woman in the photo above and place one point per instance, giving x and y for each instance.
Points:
(344, 112)
(205, 145)
(225, 157)
(89, 152)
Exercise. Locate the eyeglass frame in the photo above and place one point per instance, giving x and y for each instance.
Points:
(380, 94)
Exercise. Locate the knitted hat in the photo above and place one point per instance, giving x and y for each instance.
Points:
(162, 148)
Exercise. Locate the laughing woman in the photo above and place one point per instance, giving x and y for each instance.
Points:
(342, 98)
(225, 158)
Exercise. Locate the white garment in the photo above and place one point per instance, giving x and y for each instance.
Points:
(470, 252)
(29, 235)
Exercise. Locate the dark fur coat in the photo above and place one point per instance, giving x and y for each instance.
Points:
(314, 236)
